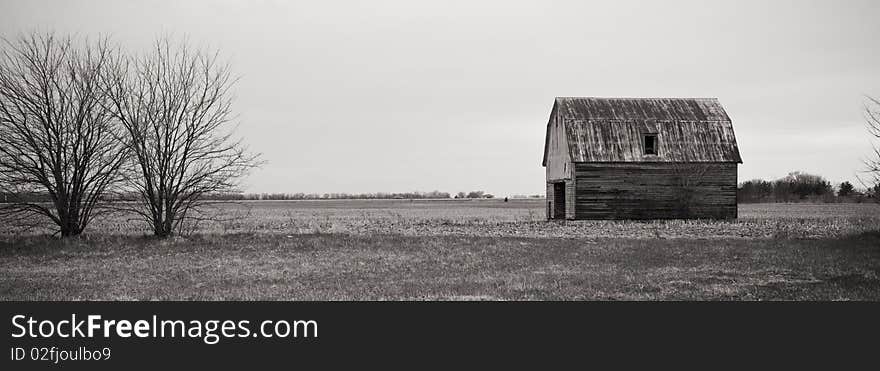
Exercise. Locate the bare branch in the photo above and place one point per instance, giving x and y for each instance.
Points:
(871, 180)
(175, 106)
(57, 139)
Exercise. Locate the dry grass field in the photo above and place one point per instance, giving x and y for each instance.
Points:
(456, 250)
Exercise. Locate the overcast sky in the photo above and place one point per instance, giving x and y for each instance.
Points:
(345, 96)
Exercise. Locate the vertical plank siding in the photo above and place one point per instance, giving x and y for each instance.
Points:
(550, 197)
(570, 200)
(558, 153)
(654, 190)
(558, 201)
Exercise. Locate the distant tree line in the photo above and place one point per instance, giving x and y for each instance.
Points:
(415, 195)
(803, 187)
(474, 194)
(239, 196)
(341, 196)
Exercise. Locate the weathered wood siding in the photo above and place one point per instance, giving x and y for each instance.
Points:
(570, 200)
(597, 166)
(654, 190)
(556, 201)
(558, 156)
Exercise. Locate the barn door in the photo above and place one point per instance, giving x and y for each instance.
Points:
(559, 200)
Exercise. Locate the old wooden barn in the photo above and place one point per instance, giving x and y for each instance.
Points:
(640, 158)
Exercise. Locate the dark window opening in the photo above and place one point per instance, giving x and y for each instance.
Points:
(650, 144)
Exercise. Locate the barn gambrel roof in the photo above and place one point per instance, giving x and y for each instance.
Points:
(611, 129)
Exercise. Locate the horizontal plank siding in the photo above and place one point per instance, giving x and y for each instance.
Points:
(654, 190)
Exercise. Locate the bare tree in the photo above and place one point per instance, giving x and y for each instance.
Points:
(872, 164)
(59, 146)
(175, 105)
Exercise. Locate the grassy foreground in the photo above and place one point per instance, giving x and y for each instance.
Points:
(249, 266)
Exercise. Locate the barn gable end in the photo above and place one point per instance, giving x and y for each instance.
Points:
(557, 156)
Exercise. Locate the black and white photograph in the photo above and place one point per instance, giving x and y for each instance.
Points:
(451, 151)
(439, 151)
